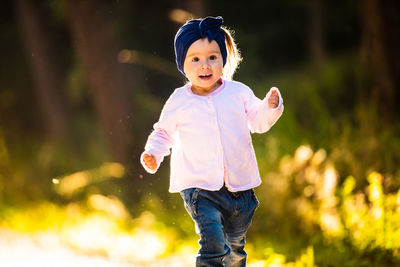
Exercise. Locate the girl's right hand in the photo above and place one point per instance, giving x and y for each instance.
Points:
(150, 162)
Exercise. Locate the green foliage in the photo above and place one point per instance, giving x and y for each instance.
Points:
(322, 108)
(307, 200)
(332, 216)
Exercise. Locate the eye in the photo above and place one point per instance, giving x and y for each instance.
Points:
(195, 59)
(213, 57)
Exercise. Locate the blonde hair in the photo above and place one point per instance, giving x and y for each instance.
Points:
(233, 58)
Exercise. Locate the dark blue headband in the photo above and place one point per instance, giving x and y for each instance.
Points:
(194, 30)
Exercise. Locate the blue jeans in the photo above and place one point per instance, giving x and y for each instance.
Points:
(221, 219)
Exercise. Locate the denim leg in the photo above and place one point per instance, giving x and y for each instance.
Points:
(209, 224)
(236, 229)
(222, 222)
(237, 256)
(212, 239)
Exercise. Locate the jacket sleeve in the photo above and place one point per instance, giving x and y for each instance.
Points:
(161, 138)
(260, 116)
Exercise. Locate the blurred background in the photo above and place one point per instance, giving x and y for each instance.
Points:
(82, 83)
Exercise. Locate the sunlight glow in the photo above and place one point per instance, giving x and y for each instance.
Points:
(41, 250)
(308, 191)
(128, 56)
(376, 213)
(98, 234)
(180, 16)
(318, 157)
(261, 263)
(330, 181)
(147, 245)
(331, 224)
(302, 155)
(91, 233)
(286, 165)
(72, 182)
(111, 204)
(375, 193)
(312, 175)
(68, 184)
(112, 169)
(149, 60)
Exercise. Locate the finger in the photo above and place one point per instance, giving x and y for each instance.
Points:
(153, 167)
(150, 162)
(274, 89)
(273, 99)
(150, 165)
(148, 157)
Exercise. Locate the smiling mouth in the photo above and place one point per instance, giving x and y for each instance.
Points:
(205, 77)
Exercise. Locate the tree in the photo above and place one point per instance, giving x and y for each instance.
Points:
(47, 77)
(376, 54)
(94, 39)
(315, 31)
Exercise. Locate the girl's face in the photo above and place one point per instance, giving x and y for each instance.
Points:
(203, 66)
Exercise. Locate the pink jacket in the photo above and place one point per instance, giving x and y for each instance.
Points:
(209, 136)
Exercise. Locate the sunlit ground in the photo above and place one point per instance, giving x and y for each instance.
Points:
(46, 250)
(94, 241)
(97, 239)
(89, 245)
(101, 232)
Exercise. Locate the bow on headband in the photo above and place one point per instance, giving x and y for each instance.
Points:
(194, 30)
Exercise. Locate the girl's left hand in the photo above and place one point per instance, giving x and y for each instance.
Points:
(273, 99)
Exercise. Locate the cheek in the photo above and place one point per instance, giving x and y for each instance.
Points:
(218, 63)
(189, 70)
(186, 68)
(190, 65)
(217, 66)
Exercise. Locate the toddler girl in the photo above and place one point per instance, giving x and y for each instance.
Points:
(206, 123)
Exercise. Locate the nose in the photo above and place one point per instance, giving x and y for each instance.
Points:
(205, 64)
